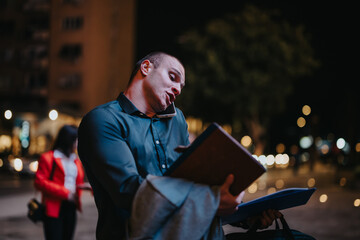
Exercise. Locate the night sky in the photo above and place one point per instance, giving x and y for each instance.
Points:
(331, 92)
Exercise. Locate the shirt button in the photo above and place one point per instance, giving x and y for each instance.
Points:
(157, 142)
(163, 166)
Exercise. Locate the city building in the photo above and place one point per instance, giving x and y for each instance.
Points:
(91, 51)
(62, 55)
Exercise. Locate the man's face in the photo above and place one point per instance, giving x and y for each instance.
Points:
(164, 83)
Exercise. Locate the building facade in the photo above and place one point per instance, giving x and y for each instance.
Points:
(68, 55)
(91, 51)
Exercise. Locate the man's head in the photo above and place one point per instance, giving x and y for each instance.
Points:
(161, 77)
(153, 57)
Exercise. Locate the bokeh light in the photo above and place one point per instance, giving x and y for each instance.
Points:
(279, 183)
(301, 122)
(357, 147)
(342, 182)
(262, 185)
(306, 142)
(271, 190)
(33, 166)
(53, 114)
(270, 160)
(8, 114)
(306, 110)
(323, 198)
(253, 188)
(311, 182)
(340, 143)
(18, 164)
(246, 141)
(280, 148)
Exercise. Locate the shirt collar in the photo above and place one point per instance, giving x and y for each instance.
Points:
(127, 105)
(130, 108)
(59, 154)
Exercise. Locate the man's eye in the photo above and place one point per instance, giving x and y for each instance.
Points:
(172, 77)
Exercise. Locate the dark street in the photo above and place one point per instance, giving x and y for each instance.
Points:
(336, 218)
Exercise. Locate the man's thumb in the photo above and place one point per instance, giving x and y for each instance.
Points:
(229, 180)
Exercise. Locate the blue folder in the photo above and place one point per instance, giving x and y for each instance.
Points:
(283, 199)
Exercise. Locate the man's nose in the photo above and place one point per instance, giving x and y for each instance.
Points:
(176, 90)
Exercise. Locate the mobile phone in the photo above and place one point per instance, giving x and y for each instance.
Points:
(168, 112)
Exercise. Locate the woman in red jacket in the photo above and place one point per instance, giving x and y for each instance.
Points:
(59, 174)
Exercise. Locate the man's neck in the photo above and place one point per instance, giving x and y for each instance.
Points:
(136, 96)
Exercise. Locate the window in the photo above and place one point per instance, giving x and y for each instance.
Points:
(70, 81)
(37, 5)
(36, 81)
(72, 23)
(37, 28)
(70, 52)
(36, 55)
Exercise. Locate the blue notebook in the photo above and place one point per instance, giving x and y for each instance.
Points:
(287, 198)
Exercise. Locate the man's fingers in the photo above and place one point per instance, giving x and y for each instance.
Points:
(278, 214)
(271, 214)
(240, 197)
(229, 180)
(181, 149)
(266, 217)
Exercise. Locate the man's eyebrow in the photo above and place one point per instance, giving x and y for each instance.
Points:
(176, 71)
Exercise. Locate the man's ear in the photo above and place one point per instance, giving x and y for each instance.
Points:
(145, 67)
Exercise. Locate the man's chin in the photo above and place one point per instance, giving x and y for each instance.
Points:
(162, 108)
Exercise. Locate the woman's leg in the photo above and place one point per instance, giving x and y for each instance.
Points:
(53, 228)
(68, 211)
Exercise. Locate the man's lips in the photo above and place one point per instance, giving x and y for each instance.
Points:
(171, 97)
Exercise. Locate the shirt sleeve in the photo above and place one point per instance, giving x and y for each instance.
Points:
(107, 158)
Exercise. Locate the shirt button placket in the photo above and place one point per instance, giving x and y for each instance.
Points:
(161, 153)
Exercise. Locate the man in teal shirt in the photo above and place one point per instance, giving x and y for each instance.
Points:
(123, 141)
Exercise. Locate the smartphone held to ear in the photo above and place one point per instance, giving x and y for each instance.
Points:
(168, 112)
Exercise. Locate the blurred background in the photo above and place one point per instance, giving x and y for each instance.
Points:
(280, 76)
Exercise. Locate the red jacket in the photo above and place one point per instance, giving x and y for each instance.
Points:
(53, 191)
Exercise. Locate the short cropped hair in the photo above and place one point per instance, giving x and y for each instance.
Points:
(154, 57)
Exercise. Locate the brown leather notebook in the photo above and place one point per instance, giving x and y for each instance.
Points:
(214, 155)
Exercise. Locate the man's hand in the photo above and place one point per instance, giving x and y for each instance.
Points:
(264, 220)
(228, 202)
